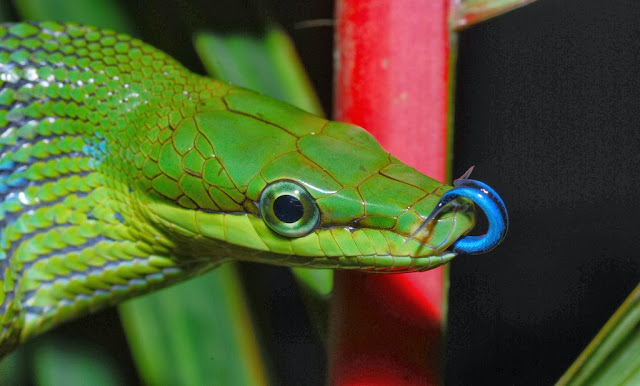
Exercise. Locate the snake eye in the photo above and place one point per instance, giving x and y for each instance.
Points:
(288, 209)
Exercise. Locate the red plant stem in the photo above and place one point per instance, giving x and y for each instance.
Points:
(392, 77)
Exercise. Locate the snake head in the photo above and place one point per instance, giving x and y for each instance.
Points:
(275, 184)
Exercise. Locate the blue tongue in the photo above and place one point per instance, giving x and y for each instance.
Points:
(492, 206)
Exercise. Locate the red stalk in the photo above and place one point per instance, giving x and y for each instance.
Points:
(392, 77)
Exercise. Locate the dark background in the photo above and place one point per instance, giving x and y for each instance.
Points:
(547, 108)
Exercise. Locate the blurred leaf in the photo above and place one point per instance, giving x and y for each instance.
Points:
(195, 333)
(267, 63)
(5, 15)
(73, 364)
(613, 356)
(470, 12)
(100, 13)
(319, 281)
(13, 367)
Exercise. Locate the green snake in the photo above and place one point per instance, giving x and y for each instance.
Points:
(121, 172)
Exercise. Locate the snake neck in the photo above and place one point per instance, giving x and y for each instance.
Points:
(80, 123)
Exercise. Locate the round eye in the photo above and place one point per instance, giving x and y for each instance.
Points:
(288, 209)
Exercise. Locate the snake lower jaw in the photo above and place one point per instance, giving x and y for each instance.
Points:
(434, 261)
(417, 264)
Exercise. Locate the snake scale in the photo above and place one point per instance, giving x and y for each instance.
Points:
(122, 172)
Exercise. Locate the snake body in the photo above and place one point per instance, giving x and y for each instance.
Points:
(122, 172)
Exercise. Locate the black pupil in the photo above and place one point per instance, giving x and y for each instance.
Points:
(288, 209)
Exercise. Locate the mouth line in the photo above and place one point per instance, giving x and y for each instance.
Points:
(399, 264)
(417, 263)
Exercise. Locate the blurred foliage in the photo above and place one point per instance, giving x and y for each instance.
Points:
(613, 356)
(195, 332)
(102, 13)
(73, 364)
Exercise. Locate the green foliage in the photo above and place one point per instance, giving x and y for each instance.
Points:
(100, 13)
(613, 356)
(267, 63)
(196, 332)
(73, 364)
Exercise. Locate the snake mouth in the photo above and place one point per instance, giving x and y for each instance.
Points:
(387, 250)
(443, 234)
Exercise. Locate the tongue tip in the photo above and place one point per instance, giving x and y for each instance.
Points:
(466, 174)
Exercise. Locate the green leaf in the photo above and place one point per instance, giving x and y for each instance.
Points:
(13, 367)
(4, 12)
(318, 280)
(195, 333)
(267, 63)
(100, 13)
(613, 356)
(73, 364)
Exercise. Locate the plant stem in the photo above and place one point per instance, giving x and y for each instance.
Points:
(393, 75)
